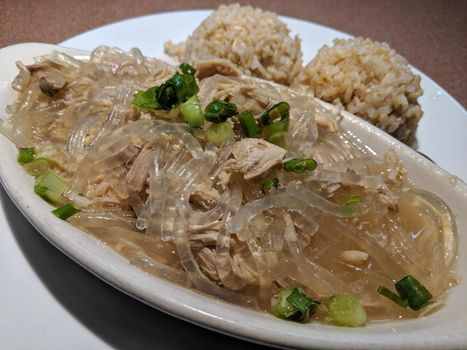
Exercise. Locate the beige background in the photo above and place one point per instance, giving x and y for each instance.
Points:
(431, 34)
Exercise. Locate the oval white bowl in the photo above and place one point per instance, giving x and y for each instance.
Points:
(446, 329)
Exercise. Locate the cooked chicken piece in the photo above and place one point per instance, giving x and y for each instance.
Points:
(139, 171)
(207, 262)
(240, 268)
(50, 86)
(255, 156)
(243, 270)
(204, 197)
(225, 174)
(209, 67)
(215, 225)
(33, 68)
(326, 122)
(249, 95)
(354, 257)
(200, 240)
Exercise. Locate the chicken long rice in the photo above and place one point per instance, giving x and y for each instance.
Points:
(240, 188)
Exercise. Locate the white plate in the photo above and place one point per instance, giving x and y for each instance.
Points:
(442, 130)
(445, 329)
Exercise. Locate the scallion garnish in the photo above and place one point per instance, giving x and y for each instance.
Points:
(414, 292)
(299, 165)
(275, 132)
(392, 296)
(293, 304)
(219, 111)
(37, 167)
(278, 111)
(50, 186)
(350, 204)
(25, 155)
(146, 99)
(270, 184)
(176, 90)
(65, 211)
(191, 112)
(219, 132)
(302, 301)
(273, 129)
(187, 69)
(346, 310)
(411, 293)
(248, 124)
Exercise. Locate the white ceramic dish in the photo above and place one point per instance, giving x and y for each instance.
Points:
(445, 329)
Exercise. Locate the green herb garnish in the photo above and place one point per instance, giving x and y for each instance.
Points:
(411, 293)
(218, 133)
(299, 165)
(392, 296)
(65, 211)
(293, 304)
(176, 90)
(346, 310)
(219, 111)
(414, 292)
(25, 155)
(350, 205)
(275, 123)
(50, 186)
(270, 184)
(248, 124)
(191, 112)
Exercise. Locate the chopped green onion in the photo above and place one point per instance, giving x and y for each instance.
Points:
(299, 165)
(146, 99)
(37, 167)
(281, 307)
(278, 138)
(187, 69)
(302, 301)
(248, 124)
(191, 112)
(219, 111)
(274, 131)
(269, 184)
(346, 310)
(392, 296)
(176, 90)
(50, 186)
(25, 155)
(293, 304)
(279, 110)
(220, 132)
(65, 211)
(414, 292)
(350, 205)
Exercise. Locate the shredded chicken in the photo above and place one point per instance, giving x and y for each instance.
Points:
(255, 156)
(204, 197)
(139, 170)
(209, 67)
(207, 262)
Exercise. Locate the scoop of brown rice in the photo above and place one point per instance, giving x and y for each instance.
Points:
(370, 80)
(253, 39)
